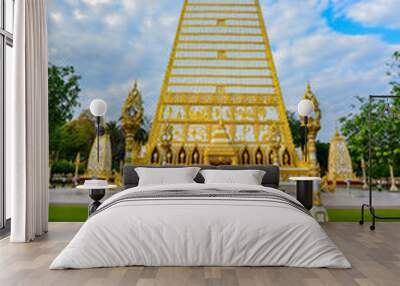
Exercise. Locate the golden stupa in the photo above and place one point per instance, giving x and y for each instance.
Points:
(339, 161)
(100, 167)
(220, 150)
(221, 69)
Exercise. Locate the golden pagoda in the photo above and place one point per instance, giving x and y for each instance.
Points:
(221, 68)
(100, 167)
(339, 161)
(220, 150)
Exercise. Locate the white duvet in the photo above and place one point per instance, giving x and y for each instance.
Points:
(203, 232)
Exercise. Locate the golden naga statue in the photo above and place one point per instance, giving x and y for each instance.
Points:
(131, 118)
(313, 126)
(328, 186)
(118, 178)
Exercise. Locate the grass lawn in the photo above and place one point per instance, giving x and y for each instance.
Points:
(350, 215)
(70, 212)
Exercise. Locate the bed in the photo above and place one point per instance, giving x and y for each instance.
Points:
(197, 224)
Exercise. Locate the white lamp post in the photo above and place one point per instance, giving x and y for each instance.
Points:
(98, 108)
(305, 108)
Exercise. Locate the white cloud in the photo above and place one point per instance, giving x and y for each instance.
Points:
(129, 6)
(339, 66)
(169, 20)
(96, 3)
(78, 15)
(56, 17)
(114, 48)
(116, 93)
(113, 20)
(72, 2)
(375, 13)
(148, 23)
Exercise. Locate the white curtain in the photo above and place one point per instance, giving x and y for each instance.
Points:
(27, 124)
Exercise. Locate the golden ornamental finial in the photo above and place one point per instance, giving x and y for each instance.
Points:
(132, 110)
(131, 118)
(311, 96)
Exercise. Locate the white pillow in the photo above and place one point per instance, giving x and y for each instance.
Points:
(248, 177)
(166, 176)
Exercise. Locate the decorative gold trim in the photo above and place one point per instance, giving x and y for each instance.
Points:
(220, 42)
(225, 18)
(215, 25)
(219, 34)
(218, 76)
(199, 4)
(220, 67)
(220, 12)
(223, 59)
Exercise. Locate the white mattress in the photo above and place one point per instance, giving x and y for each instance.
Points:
(200, 231)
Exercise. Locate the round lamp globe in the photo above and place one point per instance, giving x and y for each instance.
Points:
(305, 107)
(98, 107)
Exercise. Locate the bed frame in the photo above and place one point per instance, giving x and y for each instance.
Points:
(271, 177)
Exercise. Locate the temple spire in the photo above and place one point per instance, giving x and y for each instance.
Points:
(221, 61)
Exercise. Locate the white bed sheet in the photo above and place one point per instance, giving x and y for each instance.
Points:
(200, 232)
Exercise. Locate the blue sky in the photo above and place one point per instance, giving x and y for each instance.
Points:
(339, 46)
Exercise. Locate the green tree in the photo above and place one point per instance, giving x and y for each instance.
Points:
(394, 73)
(142, 134)
(78, 136)
(294, 124)
(322, 147)
(384, 128)
(355, 128)
(384, 135)
(63, 167)
(322, 156)
(63, 98)
(117, 139)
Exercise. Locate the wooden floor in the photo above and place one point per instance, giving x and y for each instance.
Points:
(375, 257)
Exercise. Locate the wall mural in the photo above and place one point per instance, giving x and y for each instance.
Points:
(216, 97)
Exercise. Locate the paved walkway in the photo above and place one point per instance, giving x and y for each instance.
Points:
(73, 196)
(354, 198)
(340, 199)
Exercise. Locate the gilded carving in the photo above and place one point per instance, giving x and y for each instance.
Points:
(131, 118)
